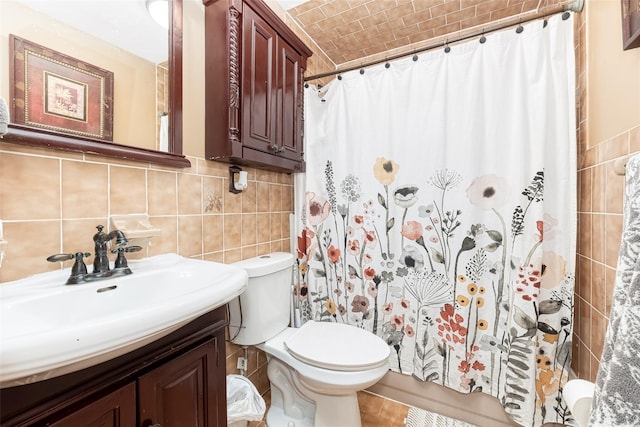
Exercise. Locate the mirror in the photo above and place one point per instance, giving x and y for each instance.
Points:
(141, 147)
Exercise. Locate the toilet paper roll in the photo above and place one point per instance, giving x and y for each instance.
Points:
(578, 395)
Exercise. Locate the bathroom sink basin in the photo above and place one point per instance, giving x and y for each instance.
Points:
(48, 329)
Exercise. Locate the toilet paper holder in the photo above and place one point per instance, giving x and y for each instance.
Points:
(237, 180)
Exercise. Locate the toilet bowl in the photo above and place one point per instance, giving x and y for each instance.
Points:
(315, 371)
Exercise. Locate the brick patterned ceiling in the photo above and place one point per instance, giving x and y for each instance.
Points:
(348, 30)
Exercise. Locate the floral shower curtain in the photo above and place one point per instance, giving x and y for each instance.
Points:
(438, 212)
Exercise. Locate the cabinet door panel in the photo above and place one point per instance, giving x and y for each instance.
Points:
(258, 127)
(289, 121)
(183, 392)
(117, 409)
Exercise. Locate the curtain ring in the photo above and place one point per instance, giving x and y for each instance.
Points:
(483, 39)
(387, 65)
(447, 49)
(415, 58)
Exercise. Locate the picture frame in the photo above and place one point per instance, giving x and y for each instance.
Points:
(53, 91)
(630, 24)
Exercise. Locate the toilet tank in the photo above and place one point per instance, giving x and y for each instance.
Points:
(263, 309)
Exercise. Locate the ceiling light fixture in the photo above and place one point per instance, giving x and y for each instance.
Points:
(159, 11)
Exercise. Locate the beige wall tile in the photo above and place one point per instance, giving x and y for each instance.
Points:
(128, 190)
(249, 230)
(249, 198)
(29, 187)
(213, 195)
(264, 228)
(275, 198)
(190, 199)
(598, 286)
(213, 233)
(232, 231)
(29, 245)
(85, 189)
(190, 235)
(613, 233)
(167, 241)
(232, 202)
(162, 192)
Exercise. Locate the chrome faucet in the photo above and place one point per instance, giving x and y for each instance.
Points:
(101, 269)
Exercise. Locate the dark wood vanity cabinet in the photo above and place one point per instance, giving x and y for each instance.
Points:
(254, 95)
(179, 380)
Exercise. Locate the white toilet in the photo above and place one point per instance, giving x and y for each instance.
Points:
(315, 371)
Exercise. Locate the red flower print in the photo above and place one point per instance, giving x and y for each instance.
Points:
(304, 242)
(464, 367)
(333, 253)
(358, 220)
(369, 273)
(478, 366)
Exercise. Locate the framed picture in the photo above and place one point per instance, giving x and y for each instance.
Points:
(54, 91)
(630, 24)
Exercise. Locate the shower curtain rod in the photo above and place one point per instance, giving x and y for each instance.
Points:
(574, 6)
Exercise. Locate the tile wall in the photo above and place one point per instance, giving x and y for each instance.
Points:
(600, 202)
(51, 202)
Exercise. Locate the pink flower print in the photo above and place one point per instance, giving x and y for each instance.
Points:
(318, 209)
(387, 307)
(360, 304)
(465, 382)
(372, 290)
(412, 230)
(488, 192)
(408, 330)
(405, 304)
(370, 239)
(358, 220)
(397, 322)
(366, 259)
(349, 287)
(354, 247)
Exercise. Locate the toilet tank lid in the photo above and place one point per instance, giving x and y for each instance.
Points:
(266, 264)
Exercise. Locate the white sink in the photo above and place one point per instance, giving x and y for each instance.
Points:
(49, 329)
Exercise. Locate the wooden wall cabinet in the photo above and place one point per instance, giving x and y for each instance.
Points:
(179, 380)
(254, 87)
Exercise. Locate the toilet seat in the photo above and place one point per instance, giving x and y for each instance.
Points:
(337, 346)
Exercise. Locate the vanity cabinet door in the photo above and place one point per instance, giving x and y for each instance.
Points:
(117, 409)
(190, 390)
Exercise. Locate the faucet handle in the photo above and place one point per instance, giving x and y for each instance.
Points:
(60, 257)
(121, 261)
(79, 269)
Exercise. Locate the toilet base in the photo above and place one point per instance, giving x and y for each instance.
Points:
(294, 405)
